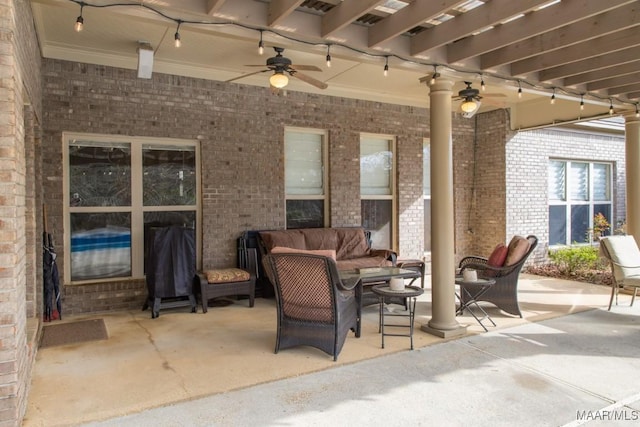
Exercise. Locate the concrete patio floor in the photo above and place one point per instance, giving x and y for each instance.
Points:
(567, 355)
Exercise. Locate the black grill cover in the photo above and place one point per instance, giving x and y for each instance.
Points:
(171, 261)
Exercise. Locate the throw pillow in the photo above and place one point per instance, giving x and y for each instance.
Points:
(498, 256)
(518, 247)
(324, 252)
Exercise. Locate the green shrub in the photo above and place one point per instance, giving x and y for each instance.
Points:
(572, 259)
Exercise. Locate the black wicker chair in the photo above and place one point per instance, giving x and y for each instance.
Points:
(504, 294)
(315, 307)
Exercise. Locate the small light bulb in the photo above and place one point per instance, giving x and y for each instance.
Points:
(328, 61)
(519, 92)
(482, 85)
(553, 98)
(79, 24)
(386, 70)
(177, 42)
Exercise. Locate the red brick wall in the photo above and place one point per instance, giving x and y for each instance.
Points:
(241, 130)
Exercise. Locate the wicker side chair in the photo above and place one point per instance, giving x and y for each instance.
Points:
(504, 294)
(315, 307)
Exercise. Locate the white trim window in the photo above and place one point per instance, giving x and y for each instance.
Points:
(116, 186)
(305, 157)
(426, 192)
(378, 189)
(578, 190)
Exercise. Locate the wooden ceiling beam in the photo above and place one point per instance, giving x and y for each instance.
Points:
(596, 63)
(280, 9)
(596, 26)
(408, 17)
(213, 6)
(604, 73)
(538, 22)
(624, 89)
(614, 82)
(345, 13)
(579, 51)
(469, 22)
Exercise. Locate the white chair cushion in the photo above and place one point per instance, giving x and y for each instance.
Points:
(625, 255)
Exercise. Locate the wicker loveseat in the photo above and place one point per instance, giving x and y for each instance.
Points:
(349, 246)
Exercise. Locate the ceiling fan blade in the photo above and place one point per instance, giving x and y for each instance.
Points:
(304, 67)
(493, 95)
(309, 79)
(246, 75)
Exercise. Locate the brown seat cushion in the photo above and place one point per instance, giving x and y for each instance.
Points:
(498, 256)
(518, 247)
(227, 275)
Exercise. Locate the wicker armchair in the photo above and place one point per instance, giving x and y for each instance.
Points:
(504, 294)
(315, 307)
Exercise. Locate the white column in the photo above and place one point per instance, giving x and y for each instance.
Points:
(443, 322)
(632, 156)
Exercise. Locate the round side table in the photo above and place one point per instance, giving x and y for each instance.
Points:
(384, 291)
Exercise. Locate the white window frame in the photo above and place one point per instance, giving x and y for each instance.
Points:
(392, 141)
(137, 209)
(567, 202)
(325, 171)
(426, 195)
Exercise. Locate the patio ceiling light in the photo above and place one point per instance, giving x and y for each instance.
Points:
(468, 105)
(279, 80)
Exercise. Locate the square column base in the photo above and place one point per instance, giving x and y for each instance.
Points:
(450, 333)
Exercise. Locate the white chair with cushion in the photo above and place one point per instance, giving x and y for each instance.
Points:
(624, 256)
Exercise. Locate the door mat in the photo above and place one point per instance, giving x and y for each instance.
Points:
(73, 332)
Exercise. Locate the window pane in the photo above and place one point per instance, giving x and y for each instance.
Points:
(303, 163)
(376, 217)
(100, 245)
(604, 209)
(426, 170)
(601, 180)
(557, 182)
(579, 181)
(557, 225)
(99, 173)
(305, 213)
(375, 166)
(169, 175)
(580, 223)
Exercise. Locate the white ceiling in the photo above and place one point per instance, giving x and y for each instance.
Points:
(220, 38)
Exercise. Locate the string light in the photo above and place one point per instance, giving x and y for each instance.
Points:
(582, 102)
(177, 42)
(519, 89)
(80, 20)
(637, 112)
(261, 45)
(610, 107)
(386, 66)
(79, 24)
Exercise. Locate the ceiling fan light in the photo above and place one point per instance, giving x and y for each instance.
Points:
(468, 106)
(278, 80)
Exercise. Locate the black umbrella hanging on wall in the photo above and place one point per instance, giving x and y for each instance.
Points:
(50, 279)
